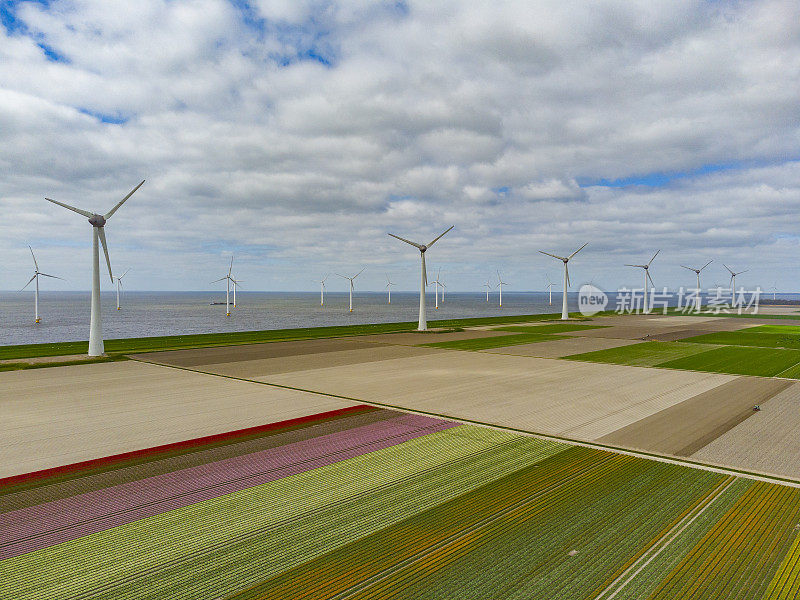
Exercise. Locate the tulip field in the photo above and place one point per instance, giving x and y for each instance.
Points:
(365, 502)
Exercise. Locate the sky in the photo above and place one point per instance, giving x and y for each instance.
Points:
(296, 134)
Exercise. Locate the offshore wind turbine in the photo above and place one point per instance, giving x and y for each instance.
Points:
(351, 280)
(322, 289)
(235, 283)
(119, 286)
(437, 283)
(733, 276)
(36, 274)
(389, 285)
(500, 284)
(423, 322)
(488, 286)
(549, 286)
(646, 309)
(565, 260)
(98, 223)
(697, 271)
(228, 280)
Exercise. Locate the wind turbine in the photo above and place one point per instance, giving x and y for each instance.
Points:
(389, 285)
(733, 277)
(235, 283)
(500, 284)
(697, 271)
(646, 309)
(438, 283)
(119, 285)
(550, 285)
(565, 260)
(774, 290)
(228, 280)
(36, 273)
(488, 286)
(98, 237)
(423, 323)
(322, 289)
(351, 280)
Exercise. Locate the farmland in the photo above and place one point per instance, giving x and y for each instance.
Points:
(373, 503)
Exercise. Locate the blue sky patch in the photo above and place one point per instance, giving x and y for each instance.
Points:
(116, 119)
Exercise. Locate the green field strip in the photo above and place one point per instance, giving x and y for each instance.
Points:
(738, 360)
(732, 315)
(495, 342)
(739, 556)
(340, 571)
(753, 336)
(785, 585)
(206, 340)
(550, 328)
(649, 578)
(612, 520)
(646, 354)
(212, 547)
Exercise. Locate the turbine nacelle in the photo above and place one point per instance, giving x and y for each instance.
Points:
(97, 220)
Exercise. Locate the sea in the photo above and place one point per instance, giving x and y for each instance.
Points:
(65, 315)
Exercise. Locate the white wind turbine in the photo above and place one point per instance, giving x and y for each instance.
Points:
(423, 322)
(235, 283)
(565, 260)
(438, 283)
(549, 286)
(98, 223)
(774, 289)
(488, 286)
(389, 285)
(733, 277)
(351, 280)
(36, 273)
(500, 284)
(228, 280)
(119, 286)
(322, 289)
(646, 309)
(697, 271)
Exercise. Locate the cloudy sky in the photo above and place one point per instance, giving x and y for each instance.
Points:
(296, 134)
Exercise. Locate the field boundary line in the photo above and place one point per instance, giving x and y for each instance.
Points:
(652, 552)
(754, 475)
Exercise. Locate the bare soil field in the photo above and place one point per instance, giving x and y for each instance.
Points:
(60, 415)
(768, 441)
(573, 399)
(686, 427)
(421, 337)
(565, 347)
(248, 369)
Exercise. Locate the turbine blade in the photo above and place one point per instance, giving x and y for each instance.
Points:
(342, 276)
(640, 266)
(101, 232)
(27, 284)
(654, 257)
(406, 241)
(35, 264)
(705, 265)
(745, 271)
(690, 268)
(85, 213)
(727, 267)
(437, 239)
(359, 273)
(578, 250)
(125, 273)
(53, 276)
(424, 268)
(566, 270)
(110, 213)
(325, 278)
(650, 278)
(220, 279)
(231, 267)
(553, 255)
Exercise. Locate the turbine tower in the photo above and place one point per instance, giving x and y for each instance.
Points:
(488, 286)
(119, 285)
(697, 271)
(36, 274)
(423, 322)
(98, 223)
(228, 280)
(389, 285)
(500, 284)
(565, 260)
(733, 277)
(646, 309)
(351, 280)
(235, 283)
(549, 286)
(322, 289)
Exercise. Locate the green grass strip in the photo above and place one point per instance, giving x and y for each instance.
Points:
(496, 342)
(740, 360)
(646, 354)
(219, 545)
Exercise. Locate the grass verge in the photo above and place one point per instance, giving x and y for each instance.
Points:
(646, 354)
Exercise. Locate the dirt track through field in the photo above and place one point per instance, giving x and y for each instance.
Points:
(686, 427)
(565, 347)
